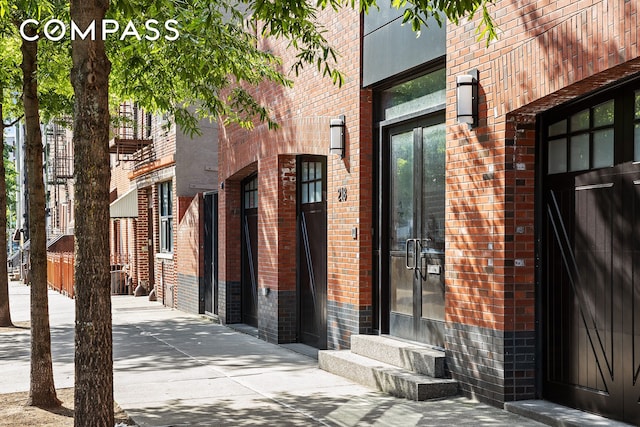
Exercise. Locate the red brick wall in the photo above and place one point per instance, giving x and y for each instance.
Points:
(190, 252)
(547, 52)
(277, 223)
(142, 237)
(304, 113)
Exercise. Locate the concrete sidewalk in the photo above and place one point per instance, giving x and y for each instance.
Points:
(174, 369)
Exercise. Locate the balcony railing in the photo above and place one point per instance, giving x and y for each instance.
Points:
(132, 137)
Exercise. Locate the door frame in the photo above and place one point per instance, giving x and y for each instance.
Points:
(244, 255)
(321, 315)
(623, 153)
(429, 117)
(210, 200)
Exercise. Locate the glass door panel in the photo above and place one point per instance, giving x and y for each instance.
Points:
(402, 221)
(416, 232)
(432, 222)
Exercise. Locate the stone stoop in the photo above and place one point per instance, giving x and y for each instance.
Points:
(396, 367)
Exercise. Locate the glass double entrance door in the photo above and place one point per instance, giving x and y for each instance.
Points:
(416, 233)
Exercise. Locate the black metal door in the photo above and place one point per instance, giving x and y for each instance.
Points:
(250, 251)
(591, 291)
(415, 203)
(312, 250)
(211, 253)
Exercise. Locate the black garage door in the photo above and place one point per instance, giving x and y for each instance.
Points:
(591, 301)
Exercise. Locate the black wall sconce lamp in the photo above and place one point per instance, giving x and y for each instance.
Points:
(337, 136)
(467, 98)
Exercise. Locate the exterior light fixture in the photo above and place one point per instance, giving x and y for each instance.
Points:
(467, 98)
(337, 136)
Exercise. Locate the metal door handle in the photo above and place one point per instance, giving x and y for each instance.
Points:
(406, 254)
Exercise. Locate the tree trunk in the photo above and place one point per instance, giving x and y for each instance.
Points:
(93, 357)
(42, 391)
(5, 314)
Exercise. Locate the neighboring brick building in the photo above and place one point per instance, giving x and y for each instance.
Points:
(260, 243)
(158, 177)
(510, 244)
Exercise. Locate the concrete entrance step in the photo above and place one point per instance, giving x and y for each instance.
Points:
(553, 414)
(385, 377)
(403, 354)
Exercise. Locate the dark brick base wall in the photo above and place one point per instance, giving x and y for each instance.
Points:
(343, 320)
(491, 366)
(190, 296)
(277, 321)
(229, 303)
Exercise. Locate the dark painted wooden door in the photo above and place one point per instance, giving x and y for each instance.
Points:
(312, 250)
(592, 291)
(416, 233)
(250, 251)
(211, 253)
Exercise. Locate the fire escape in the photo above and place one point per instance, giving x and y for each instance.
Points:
(132, 147)
(132, 140)
(59, 171)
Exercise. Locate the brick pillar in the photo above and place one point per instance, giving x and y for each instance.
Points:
(277, 321)
(142, 237)
(229, 252)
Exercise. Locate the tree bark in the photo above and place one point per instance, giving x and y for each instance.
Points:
(93, 339)
(42, 390)
(5, 314)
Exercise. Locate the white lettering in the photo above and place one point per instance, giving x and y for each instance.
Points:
(57, 33)
(106, 30)
(23, 25)
(150, 26)
(91, 29)
(130, 30)
(168, 27)
(56, 30)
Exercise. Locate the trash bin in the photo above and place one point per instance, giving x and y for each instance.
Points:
(118, 282)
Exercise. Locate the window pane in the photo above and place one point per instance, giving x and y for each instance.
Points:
(318, 192)
(402, 194)
(579, 159)
(580, 121)
(638, 105)
(557, 156)
(636, 143)
(603, 148)
(305, 171)
(246, 200)
(558, 128)
(318, 170)
(305, 193)
(415, 95)
(603, 114)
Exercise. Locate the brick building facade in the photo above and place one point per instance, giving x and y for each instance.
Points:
(158, 177)
(499, 225)
(551, 60)
(274, 158)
